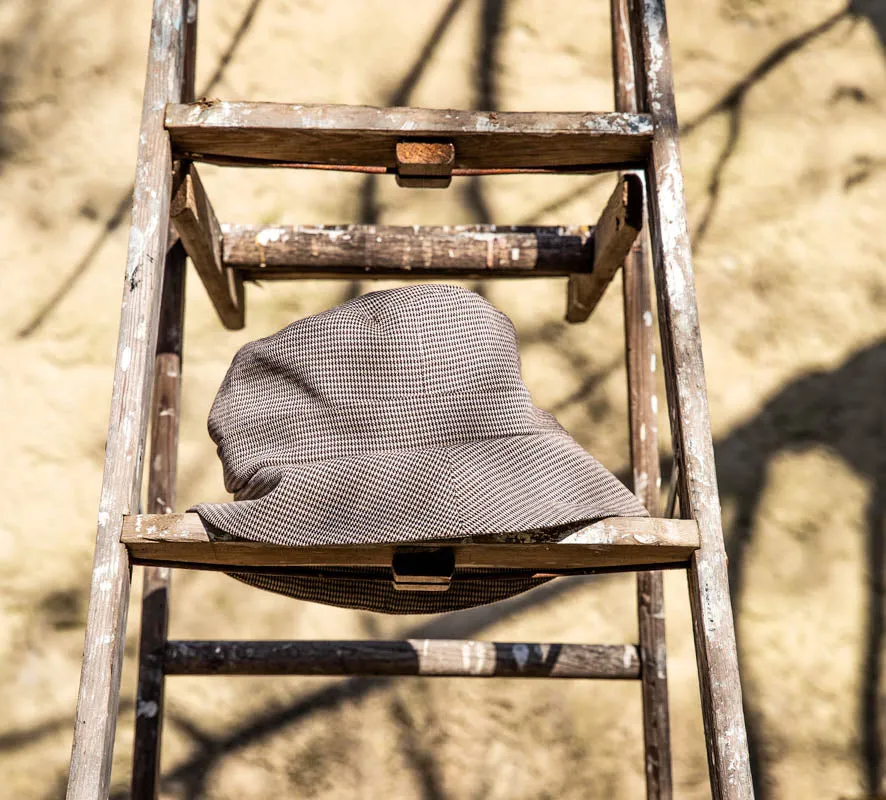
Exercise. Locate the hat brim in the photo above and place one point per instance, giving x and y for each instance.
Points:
(501, 485)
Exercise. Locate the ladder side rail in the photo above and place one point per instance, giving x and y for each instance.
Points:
(162, 474)
(99, 694)
(713, 625)
(640, 359)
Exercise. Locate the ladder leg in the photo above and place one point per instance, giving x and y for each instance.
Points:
(690, 421)
(162, 471)
(161, 500)
(644, 461)
(98, 699)
(643, 424)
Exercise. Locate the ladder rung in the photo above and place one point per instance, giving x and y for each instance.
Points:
(289, 251)
(427, 657)
(365, 137)
(614, 543)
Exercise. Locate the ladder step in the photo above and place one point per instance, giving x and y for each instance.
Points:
(364, 138)
(427, 657)
(616, 543)
(470, 251)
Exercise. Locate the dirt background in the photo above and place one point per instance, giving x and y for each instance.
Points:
(784, 151)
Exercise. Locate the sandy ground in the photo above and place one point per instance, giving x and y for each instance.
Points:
(784, 151)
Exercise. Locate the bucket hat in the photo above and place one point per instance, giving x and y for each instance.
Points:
(400, 416)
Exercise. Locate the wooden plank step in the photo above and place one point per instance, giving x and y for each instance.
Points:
(365, 138)
(283, 252)
(426, 657)
(614, 543)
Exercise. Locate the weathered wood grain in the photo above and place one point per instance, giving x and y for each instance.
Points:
(425, 657)
(162, 467)
(420, 252)
(614, 234)
(616, 542)
(98, 698)
(424, 165)
(643, 430)
(690, 420)
(201, 235)
(365, 136)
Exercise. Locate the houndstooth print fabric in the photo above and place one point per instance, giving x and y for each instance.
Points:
(399, 416)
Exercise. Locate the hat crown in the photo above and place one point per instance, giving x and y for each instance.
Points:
(418, 341)
(422, 366)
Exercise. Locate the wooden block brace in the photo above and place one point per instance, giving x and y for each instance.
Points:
(424, 165)
(283, 252)
(614, 235)
(435, 658)
(201, 235)
(614, 543)
(423, 570)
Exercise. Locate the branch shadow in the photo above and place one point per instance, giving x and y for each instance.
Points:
(13, 58)
(189, 778)
(369, 209)
(124, 202)
(731, 103)
(420, 758)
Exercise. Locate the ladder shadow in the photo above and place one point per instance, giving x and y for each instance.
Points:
(841, 411)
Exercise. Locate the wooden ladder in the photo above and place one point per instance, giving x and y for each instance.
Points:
(172, 217)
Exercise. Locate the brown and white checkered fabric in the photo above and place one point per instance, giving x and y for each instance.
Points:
(399, 416)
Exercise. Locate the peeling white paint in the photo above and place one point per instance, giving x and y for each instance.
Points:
(598, 533)
(147, 709)
(268, 235)
(521, 655)
(473, 657)
(102, 571)
(628, 657)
